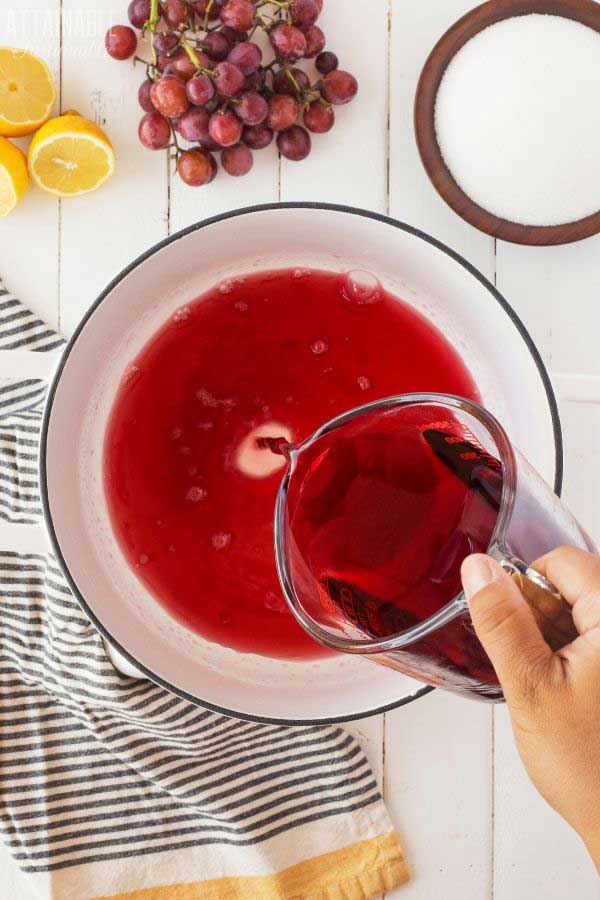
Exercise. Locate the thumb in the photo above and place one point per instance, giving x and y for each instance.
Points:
(504, 624)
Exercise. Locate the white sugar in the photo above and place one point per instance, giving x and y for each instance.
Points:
(517, 119)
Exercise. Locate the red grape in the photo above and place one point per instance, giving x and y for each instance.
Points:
(164, 42)
(326, 62)
(304, 13)
(216, 45)
(246, 56)
(193, 125)
(212, 8)
(315, 41)
(154, 131)
(256, 81)
(228, 79)
(257, 137)
(225, 128)
(182, 65)
(168, 96)
(175, 12)
(200, 90)
(318, 118)
(238, 14)
(232, 35)
(139, 12)
(237, 160)
(252, 108)
(283, 112)
(288, 42)
(294, 143)
(320, 5)
(144, 96)
(209, 144)
(196, 167)
(120, 41)
(282, 84)
(339, 87)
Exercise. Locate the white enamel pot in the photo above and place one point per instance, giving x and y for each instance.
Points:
(475, 318)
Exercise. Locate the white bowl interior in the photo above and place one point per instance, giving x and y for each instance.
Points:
(423, 275)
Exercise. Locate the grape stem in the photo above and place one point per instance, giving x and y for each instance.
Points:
(208, 9)
(295, 84)
(152, 23)
(190, 52)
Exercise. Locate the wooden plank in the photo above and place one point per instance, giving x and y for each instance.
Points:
(415, 28)
(348, 165)
(438, 754)
(438, 773)
(536, 853)
(30, 233)
(102, 232)
(555, 291)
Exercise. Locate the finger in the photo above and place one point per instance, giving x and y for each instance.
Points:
(576, 574)
(504, 624)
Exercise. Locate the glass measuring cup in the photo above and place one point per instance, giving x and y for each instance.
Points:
(375, 514)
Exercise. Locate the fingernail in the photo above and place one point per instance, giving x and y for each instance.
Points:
(476, 572)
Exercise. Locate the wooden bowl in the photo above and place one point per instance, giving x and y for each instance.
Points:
(585, 11)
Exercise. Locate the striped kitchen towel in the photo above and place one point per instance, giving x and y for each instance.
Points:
(112, 787)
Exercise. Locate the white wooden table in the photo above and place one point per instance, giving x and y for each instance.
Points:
(472, 826)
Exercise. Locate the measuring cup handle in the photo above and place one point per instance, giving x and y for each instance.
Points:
(515, 566)
(550, 609)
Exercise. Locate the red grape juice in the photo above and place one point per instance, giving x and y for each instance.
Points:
(381, 513)
(189, 485)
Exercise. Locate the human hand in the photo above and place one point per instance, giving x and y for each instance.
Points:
(553, 697)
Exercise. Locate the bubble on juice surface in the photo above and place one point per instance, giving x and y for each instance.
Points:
(319, 346)
(364, 382)
(241, 306)
(206, 398)
(221, 540)
(361, 287)
(195, 494)
(176, 433)
(185, 451)
(131, 375)
(205, 425)
(182, 314)
(143, 559)
(228, 284)
(300, 273)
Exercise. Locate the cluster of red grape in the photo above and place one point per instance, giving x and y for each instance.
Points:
(207, 81)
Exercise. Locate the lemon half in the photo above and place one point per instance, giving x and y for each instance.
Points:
(27, 92)
(13, 176)
(70, 156)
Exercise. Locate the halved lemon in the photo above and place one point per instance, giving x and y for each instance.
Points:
(13, 176)
(27, 92)
(70, 156)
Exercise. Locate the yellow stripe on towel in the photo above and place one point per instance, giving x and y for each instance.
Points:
(355, 872)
